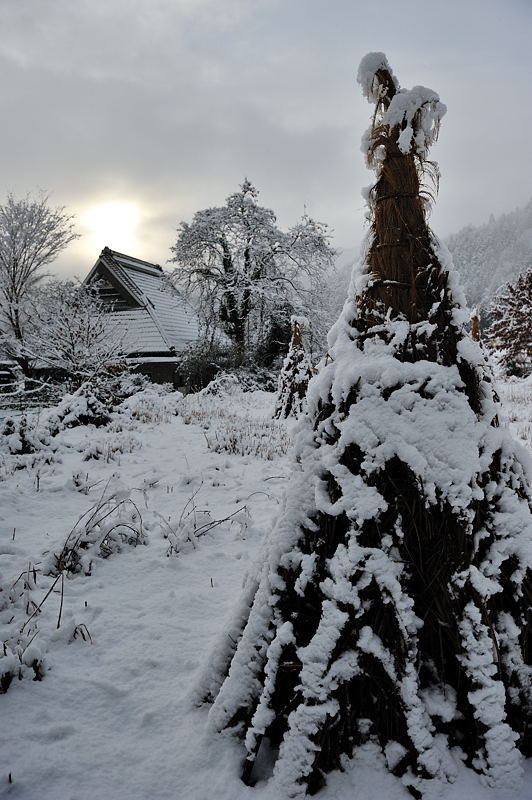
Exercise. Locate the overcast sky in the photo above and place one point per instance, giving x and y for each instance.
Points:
(136, 113)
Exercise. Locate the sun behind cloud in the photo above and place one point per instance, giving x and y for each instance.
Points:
(113, 224)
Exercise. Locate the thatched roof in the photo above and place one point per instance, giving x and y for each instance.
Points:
(155, 319)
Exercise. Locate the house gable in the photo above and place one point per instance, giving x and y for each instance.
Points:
(155, 320)
(111, 291)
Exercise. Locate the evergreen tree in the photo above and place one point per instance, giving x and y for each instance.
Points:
(295, 375)
(394, 604)
(510, 330)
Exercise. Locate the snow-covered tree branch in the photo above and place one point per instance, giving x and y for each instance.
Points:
(32, 234)
(72, 332)
(247, 276)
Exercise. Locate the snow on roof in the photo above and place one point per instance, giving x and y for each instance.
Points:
(162, 320)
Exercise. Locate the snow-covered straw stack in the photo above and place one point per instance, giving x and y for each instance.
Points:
(394, 602)
(295, 374)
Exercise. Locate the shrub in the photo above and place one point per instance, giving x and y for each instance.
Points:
(88, 405)
(243, 436)
(21, 436)
(114, 522)
(201, 363)
(156, 403)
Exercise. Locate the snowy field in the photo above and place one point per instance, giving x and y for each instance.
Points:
(154, 520)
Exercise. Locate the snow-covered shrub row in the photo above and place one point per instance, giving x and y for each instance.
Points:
(245, 436)
(516, 396)
(225, 383)
(242, 380)
(94, 404)
(151, 405)
(40, 463)
(222, 393)
(111, 447)
(29, 441)
(250, 432)
(127, 384)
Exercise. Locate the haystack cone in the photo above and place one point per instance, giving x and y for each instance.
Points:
(393, 606)
(295, 375)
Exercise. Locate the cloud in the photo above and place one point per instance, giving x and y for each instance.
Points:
(170, 103)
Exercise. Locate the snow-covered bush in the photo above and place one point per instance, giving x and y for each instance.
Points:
(80, 482)
(127, 384)
(25, 444)
(88, 405)
(295, 375)
(111, 447)
(195, 523)
(154, 404)
(244, 379)
(221, 397)
(255, 379)
(245, 436)
(20, 654)
(22, 436)
(516, 397)
(113, 523)
(223, 384)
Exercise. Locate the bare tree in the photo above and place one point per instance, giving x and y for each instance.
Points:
(32, 234)
(72, 332)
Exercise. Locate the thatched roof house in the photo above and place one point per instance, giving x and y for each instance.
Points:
(156, 322)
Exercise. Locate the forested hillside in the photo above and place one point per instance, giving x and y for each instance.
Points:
(492, 254)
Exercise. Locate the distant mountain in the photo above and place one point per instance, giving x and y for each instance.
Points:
(492, 254)
(340, 278)
(486, 256)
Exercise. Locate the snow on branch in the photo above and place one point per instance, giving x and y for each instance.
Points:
(410, 116)
(376, 77)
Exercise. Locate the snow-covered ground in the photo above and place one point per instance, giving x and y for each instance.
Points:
(123, 639)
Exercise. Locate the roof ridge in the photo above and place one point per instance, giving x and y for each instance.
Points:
(107, 251)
